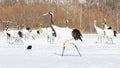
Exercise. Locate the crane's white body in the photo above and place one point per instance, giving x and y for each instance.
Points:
(109, 34)
(63, 33)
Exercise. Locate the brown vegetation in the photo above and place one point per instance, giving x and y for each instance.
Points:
(31, 15)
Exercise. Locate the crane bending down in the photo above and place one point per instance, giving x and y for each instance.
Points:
(65, 34)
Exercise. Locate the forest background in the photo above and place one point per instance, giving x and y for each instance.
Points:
(79, 13)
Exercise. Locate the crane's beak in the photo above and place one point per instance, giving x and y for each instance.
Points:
(45, 14)
(104, 19)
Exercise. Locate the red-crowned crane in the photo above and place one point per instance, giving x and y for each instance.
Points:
(109, 32)
(65, 34)
(99, 31)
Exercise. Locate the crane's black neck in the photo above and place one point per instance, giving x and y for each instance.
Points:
(51, 17)
(52, 23)
(54, 32)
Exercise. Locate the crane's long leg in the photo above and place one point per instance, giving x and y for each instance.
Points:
(21, 41)
(77, 49)
(63, 49)
(112, 40)
(98, 39)
(14, 41)
(33, 37)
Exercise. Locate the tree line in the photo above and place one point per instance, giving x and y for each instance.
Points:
(79, 14)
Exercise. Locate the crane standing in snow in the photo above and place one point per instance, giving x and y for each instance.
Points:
(99, 31)
(109, 32)
(65, 34)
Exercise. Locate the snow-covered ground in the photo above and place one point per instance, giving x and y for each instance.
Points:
(48, 55)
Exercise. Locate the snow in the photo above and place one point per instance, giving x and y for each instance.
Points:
(48, 55)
